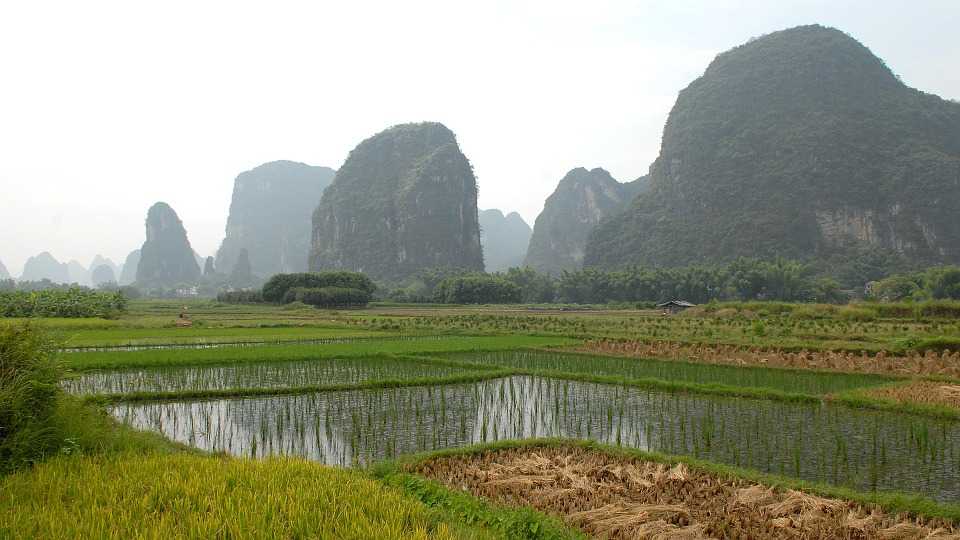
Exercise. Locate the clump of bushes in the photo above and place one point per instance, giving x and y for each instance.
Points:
(276, 288)
(29, 392)
(327, 296)
(477, 289)
(240, 297)
(72, 302)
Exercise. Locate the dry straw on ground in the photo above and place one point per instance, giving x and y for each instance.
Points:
(928, 392)
(930, 363)
(620, 497)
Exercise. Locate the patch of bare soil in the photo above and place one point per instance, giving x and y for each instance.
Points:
(616, 497)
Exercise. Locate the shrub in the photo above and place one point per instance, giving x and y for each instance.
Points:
(477, 289)
(240, 297)
(276, 288)
(328, 296)
(29, 390)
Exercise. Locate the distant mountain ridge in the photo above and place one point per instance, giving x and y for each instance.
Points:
(582, 199)
(45, 266)
(504, 239)
(800, 144)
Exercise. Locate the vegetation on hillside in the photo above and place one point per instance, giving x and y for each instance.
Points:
(800, 144)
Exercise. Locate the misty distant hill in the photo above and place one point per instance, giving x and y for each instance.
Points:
(45, 266)
(4, 274)
(800, 144)
(582, 199)
(270, 217)
(128, 272)
(504, 239)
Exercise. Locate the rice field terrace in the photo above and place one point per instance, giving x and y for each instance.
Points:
(238, 377)
(726, 426)
(862, 449)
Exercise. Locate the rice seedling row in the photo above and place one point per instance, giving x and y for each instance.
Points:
(794, 381)
(863, 449)
(81, 361)
(330, 371)
(251, 343)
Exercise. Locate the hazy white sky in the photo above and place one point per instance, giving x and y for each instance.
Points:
(107, 107)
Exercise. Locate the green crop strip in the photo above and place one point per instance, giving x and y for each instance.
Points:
(186, 357)
(891, 502)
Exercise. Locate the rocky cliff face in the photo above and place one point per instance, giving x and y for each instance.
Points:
(405, 200)
(504, 239)
(582, 199)
(270, 216)
(45, 266)
(800, 144)
(166, 258)
(128, 274)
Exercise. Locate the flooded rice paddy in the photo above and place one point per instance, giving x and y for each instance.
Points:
(864, 449)
(255, 375)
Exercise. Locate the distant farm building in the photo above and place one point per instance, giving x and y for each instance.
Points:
(675, 306)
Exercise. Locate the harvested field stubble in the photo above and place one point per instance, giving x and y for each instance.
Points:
(946, 363)
(621, 497)
(928, 392)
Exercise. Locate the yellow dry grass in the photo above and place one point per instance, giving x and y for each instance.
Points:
(929, 392)
(929, 363)
(618, 497)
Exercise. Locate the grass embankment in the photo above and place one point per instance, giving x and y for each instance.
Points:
(621, 493)
(275, 353)
(191, 496)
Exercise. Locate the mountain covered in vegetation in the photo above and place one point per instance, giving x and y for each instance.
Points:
(270, 216)
(166, 258)
(504, 239)
(128, 272)
(404, 200)
(45, 266)
(800, 144)
(582, 199)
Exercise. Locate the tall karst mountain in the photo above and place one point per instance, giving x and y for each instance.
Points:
(504, 239)
(270, 216)
(803, 144)
(405, 200)
(166, 258)
(582, 199)
(4, 274)
(45, 266)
